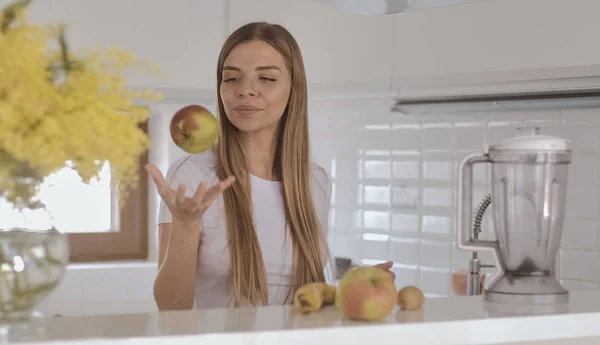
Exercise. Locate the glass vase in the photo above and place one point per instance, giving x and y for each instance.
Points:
(32, 264)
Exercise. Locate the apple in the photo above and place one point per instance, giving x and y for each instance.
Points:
(194, 129)
(366, 293)
(410, 298)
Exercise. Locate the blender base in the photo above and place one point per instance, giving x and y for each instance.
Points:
(526, 289)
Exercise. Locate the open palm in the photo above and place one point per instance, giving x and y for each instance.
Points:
(183, 208)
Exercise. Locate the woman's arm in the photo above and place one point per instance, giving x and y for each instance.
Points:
(175, 283)
(185, 198)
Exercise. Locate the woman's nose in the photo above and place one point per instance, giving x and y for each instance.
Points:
(246, 89)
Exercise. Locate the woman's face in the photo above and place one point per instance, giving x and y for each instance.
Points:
(256, 86)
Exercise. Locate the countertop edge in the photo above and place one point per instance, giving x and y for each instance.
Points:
(466, 332)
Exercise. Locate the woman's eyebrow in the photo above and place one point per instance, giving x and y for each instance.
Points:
(259, 68)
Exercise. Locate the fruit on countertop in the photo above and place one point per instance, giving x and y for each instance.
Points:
(312, 296)
(194, 129)
(366, 293)
(410, 298)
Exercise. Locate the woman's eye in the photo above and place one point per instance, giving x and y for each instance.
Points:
(229, 80)
(268, 79)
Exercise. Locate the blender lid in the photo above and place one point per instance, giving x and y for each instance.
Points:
(529, 139)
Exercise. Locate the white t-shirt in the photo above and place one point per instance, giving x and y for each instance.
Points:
(270, 224)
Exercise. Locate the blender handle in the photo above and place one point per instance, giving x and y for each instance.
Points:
(464, 231)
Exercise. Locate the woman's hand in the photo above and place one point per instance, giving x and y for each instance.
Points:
(183, 209)
(386, 267)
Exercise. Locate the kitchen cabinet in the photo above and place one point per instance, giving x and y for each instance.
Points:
(496, 36)
(338, 48)
(182, 36)
(485, 41)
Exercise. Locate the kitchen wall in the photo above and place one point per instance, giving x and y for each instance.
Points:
(394, 197)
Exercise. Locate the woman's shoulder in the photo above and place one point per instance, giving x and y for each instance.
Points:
(318, 172)
(193, 168)
(321, 178)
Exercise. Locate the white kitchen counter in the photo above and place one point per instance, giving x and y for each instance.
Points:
(453, 320)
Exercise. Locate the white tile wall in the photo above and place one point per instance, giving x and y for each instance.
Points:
(95, 289)
(395, 186)
(394, 199)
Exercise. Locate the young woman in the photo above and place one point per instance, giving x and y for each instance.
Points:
(259, 232)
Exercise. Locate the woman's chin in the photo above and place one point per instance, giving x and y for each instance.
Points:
(253, 126)
(247, 127)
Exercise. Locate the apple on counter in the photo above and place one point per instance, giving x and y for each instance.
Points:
(410, 298)
(194, 129)
(366, 293)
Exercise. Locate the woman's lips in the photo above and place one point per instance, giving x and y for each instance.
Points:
(246, 110)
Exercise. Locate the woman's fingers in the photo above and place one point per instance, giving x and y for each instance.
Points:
(196, 199)
(228, 182)
(180, 198)
(177, 200)
(211, 195)
(200, 191)
(159, 180)
(225, 184)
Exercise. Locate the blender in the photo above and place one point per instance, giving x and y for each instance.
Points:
(528, 196)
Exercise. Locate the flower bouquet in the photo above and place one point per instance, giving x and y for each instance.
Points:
(58, 108)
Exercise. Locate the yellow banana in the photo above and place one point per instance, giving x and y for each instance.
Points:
(312, 296)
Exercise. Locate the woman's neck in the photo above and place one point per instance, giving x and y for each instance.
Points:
(260, 152)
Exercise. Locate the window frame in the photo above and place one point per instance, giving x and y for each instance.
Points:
(130, 240)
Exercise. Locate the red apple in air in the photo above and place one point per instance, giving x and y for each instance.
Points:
(194, 129)
(366, 293)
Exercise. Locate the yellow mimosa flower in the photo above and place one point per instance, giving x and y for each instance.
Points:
(60, 108)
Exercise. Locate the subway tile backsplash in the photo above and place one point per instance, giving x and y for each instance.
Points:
(394, 198)
(395, 184)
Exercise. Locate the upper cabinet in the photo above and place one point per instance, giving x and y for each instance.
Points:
(340, 49)
(337, 47)
(181, 36)
(496, 36)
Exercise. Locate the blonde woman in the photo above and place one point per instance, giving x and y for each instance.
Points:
(259, 231)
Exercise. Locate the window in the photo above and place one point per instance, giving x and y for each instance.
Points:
(98, 229)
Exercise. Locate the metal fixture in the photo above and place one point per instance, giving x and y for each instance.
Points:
(475, 265)
(511, 101)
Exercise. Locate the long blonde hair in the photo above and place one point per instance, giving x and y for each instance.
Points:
(247, 276)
